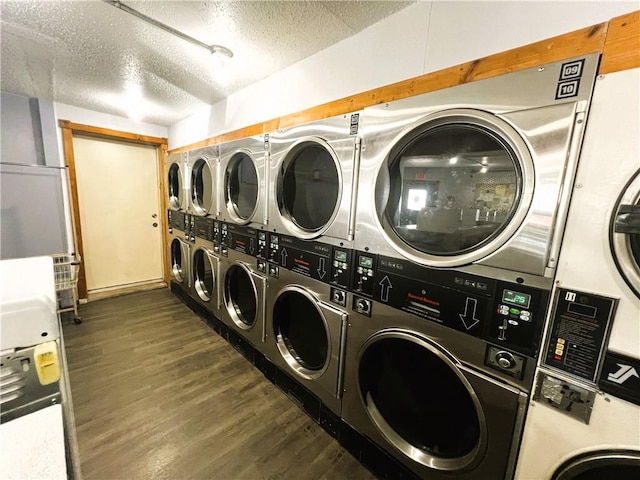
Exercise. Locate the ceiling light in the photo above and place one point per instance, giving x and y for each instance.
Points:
(484, 170)
(211, 48)
(453, 160)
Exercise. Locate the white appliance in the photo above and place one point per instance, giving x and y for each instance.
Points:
(582, 370)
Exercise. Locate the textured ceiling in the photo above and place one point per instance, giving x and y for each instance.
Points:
(92, 55)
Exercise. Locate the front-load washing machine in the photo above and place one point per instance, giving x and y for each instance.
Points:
(180, 249)
(313, 179)
(206, 286)
(428, 378)
(243, 288)
(307, 314)
(243, 181)
(202, 175)
(585, 421)
(176, 167)
(476, 176)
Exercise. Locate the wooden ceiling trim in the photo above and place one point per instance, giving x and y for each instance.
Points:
(622, 51)
(622, 45)
(106, 132)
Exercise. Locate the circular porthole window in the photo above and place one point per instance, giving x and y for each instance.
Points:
(176, 260)
(203, 275)
(309, 187)
(240, 296)
(241, 187)
(174, 186)
(202, 187)
(301, 332)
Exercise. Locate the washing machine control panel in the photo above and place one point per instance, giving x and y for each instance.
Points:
(365, 266)
(320, 261)
(240, 238)
(178, 221)
(202, 228)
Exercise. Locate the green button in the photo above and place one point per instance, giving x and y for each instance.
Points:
(514, 311)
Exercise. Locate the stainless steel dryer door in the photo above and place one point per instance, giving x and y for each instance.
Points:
(204, 275)
(202, 185)
(242, 187)
(438, 417)
(625, 234)
(180, 260)
(175, 182)
(244, 296)
(310, 336)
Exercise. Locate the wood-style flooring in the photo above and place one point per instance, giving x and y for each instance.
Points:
(159, 395)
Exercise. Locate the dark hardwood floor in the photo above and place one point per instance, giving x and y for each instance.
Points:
(158, 394)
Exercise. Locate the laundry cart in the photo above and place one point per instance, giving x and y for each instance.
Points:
(65, 269)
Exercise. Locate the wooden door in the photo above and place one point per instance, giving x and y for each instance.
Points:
(120, 212)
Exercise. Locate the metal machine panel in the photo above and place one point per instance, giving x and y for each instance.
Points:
(478, 174)
(313, 179)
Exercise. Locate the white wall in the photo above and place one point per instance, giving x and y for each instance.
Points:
(425, 37)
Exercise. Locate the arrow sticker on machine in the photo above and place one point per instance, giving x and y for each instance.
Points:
(283, 257)
(322, 271)
(386, 286)
(622, 375)
(252, 245)
(469, 316)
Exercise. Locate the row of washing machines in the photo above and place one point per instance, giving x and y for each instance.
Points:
(405, 275)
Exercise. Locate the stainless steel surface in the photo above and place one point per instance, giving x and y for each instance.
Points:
(176, 181)
(325, 380)
(243, 298)
(568, 397)
(21, 392)
(519, 112)
(244, 200)
(206, 285)
(496, 398)
(328, 150)
(607, 462)
(180, 251)
(201, 177)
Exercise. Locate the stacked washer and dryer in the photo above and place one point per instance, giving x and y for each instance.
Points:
(177, 220)
(395, 266)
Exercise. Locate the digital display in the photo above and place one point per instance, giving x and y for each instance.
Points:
(585, 310)
(516, 298)
(340, 256)
(366, 262)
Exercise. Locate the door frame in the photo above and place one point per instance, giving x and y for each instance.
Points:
(68, 129)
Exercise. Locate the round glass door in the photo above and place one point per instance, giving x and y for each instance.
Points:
(176, 260)
(174, 185)
(420, 401)
(452, 186)
(203, 275)
(309, 187)
(241, 187)
(625, 234)
(240, 296)
(301, 332)
(201, 186)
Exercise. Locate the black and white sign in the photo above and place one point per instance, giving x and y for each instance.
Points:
(620, 376)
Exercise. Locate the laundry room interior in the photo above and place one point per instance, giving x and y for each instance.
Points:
(320, 239)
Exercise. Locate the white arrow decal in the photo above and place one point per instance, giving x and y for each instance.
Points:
(623, 374)
(252, 245)
(321, 269)
(469, 313)
(283, 257)
(385, 283)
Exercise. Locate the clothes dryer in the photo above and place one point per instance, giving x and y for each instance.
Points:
(243, 288)
(307, 314)
(176, 166)
(202, 175)
(585, 420)
(430, 376)
(243, 181)
(180, 249)
(477, 176)
(205, 283)
(313, 179)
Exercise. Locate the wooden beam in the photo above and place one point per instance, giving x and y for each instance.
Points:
(106, 132)
(162, 215)
(69, 160)
(572, 44)
(622, 45)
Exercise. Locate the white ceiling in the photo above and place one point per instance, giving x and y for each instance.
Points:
(92, 55)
